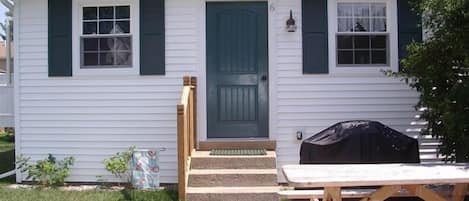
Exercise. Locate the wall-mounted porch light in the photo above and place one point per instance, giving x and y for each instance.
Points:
(291, 24)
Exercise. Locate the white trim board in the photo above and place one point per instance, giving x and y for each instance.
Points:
(77, 30)
(391, 12)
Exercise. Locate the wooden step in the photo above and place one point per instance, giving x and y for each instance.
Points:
(232, 177)
(233, 193)
(242, 144)
(203, 160)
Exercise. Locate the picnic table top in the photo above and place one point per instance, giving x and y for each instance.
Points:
(374, 174)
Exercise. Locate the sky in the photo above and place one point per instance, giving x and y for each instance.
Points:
(2, 13)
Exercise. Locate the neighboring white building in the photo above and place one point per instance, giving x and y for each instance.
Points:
(6, 92)
(75, 95)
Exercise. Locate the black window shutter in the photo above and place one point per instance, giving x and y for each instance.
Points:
(152, 37)
(60, 38)
(315, 36)
(410, 28)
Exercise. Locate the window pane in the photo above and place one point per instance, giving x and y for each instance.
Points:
(362, 42)
(124, 58)
(378, 42)
(106, 58)
(90, 13)
(378, 25)
(122, 12)
(122, 27)
(345, 25)
(362, 57)
(378, 9)
(90, 59)
(345, 57)
(106, 27)
(345, 42)
(378, 57)
(90, 44)
(106, 44)
(89, 28)
(362, 9)
(123, 43)
(362, 25)
(106, 12)
(345, 9)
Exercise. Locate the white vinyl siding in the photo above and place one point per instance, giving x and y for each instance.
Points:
(311, 103)
(92, 117)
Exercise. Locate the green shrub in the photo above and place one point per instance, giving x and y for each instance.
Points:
(119, 164)
(48, 172)
(8, 135)
(438, 68)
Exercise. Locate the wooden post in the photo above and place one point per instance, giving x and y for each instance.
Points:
(383, 193)
(186, 132)
(181, 153)
(427, 194)
(186, 81)
(459, 192)
(191, 122)
(194, 105)
(332, 194)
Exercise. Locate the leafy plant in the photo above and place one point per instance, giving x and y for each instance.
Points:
(8, 135)
(439, 69)
(47, 172)
(119, 164)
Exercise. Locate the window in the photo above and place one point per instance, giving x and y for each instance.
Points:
(106, 37)
(362, 37)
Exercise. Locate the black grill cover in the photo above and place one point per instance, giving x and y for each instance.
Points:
(354, 142)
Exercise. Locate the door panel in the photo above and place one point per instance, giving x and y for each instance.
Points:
(237, 86)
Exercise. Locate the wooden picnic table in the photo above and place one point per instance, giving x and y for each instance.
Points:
(392, 179)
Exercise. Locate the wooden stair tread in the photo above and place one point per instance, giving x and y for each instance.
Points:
(206, 154)
(231, 171)
(233, 190)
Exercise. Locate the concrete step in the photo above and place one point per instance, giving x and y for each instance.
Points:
(232, 177)
(233, 193)
(203, 160)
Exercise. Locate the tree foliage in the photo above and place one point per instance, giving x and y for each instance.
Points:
(8, 4)
(438, 68)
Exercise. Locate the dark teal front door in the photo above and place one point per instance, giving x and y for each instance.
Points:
(237, 62)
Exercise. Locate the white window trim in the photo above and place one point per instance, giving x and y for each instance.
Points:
(77, 30)
(391, 13)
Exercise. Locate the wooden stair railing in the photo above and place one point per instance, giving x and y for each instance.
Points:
(186, 132)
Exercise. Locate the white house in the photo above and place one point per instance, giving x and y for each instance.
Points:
(94, 77)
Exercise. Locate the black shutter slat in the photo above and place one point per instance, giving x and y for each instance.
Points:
(315, 37)
(152, 37)
(60, 38)
(410, 28)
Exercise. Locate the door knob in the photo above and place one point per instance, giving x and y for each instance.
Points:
(264, 78)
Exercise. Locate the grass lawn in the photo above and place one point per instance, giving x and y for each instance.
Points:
(7, 160)
(58, 195)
